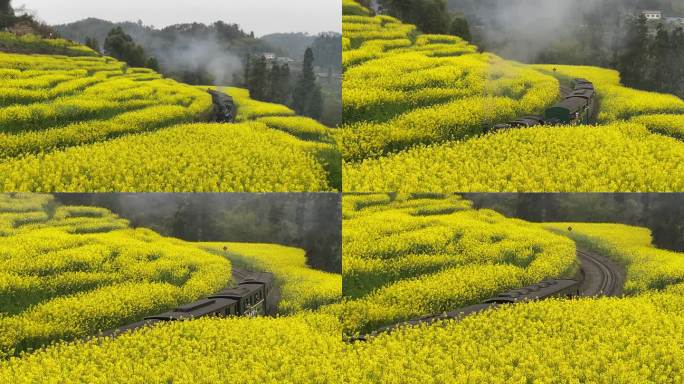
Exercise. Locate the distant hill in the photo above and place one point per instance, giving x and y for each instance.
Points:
(292, 44)
(195, 53)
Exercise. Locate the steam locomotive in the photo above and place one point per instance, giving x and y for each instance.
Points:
(248, 298)
(543, 290)
(577, 108)
(225, 110)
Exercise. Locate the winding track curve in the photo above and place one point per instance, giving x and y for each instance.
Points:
(599, 275)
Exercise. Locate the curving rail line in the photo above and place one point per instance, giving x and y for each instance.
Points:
(599, 276)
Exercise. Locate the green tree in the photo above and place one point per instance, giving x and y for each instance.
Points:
(152, 63)
(661, 70)
(314, 107)
(6, 14)
(633, 60)
(678, 61)
(430, 16)
(121, 46)
(307, 97)
(257, 78)
(6, 8)
(92, 43)
(279, 83)
(459, 27)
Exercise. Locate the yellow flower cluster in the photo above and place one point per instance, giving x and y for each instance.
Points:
(648, 268)
(198, 157)
(405, 256)
(446, 91)
(616, 101)
(405, 90)
(555, 341)
(249, 109)
(62, 116)
(297, 349)
(618, 157)
(301, 288)
(70, 272)
(669, 125)
(36, 44)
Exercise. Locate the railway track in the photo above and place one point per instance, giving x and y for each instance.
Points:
(235, 300)
(601, 277)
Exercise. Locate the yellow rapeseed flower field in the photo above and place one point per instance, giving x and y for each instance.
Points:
(302, 288)
(54, 109)
(418, 109)
(411, 255)
(443, 254)
(623, 157)
(648, 268)
(69, 272)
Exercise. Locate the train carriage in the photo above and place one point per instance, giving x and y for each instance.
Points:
(248, 298)
(201, 308)
(577, 107)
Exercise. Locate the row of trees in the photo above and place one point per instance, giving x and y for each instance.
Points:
(268, 81)
(11, 17)
(121, 46)
(652, 62)
(430, 16)
(272, 81)
(311, 221)
(662, 213)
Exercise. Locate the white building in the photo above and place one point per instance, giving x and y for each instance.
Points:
(653, 15)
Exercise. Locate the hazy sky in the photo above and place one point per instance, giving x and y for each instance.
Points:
(261, 16)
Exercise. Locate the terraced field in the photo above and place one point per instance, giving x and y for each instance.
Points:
(302, 288)
(90, 123)
(599, 340)
(417, 109)
(68, 272)
(409, 256)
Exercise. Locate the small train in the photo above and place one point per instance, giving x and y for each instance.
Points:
(542, 290)
(248, 298)
(577, 107)
(225, 109)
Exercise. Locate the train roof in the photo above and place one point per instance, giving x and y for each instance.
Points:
(195, 309)
(429, 319)
(533, 292)
(258, 278)
(569, 105)
(586, 93)
(129, 327)
(238, 292)
(528, 121)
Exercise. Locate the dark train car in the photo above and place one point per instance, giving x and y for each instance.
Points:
(582, 84)
(523, 122)
(130, 327)
(542, 290)
(218, 307)
(250, 298)
(264, 278)
(577, 107)
(225, 109)
(573, 110)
